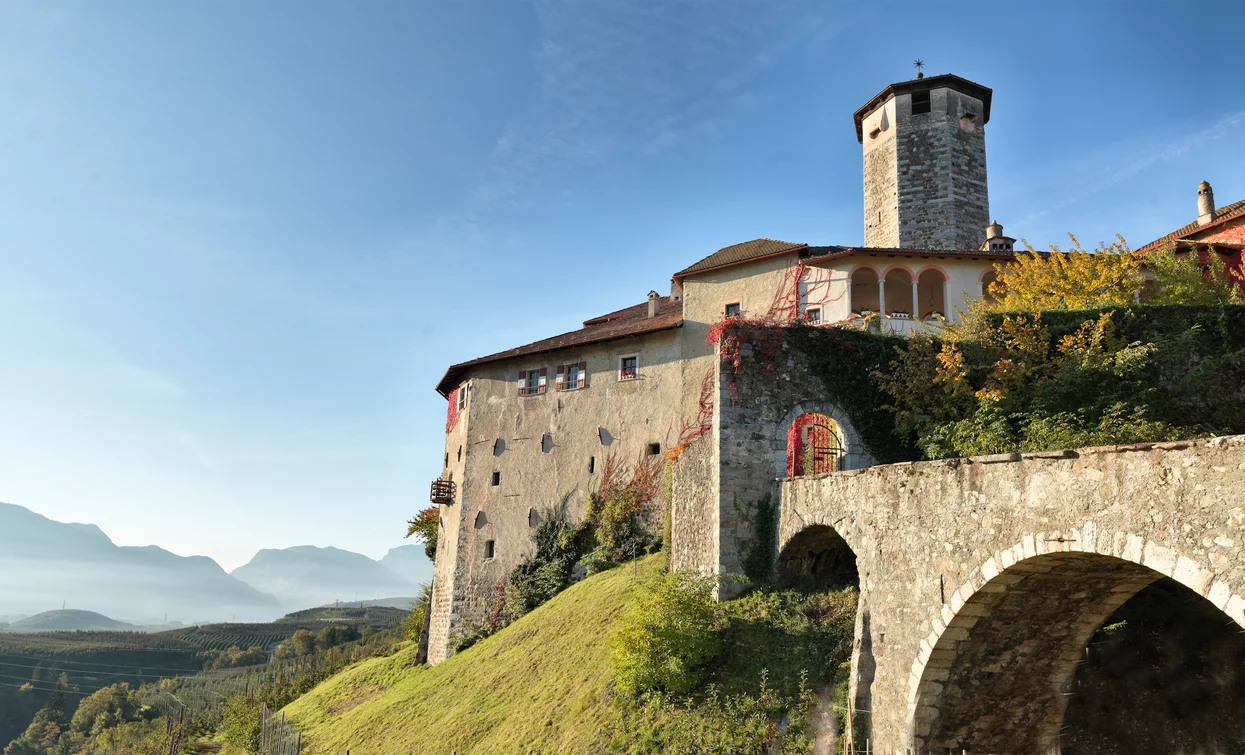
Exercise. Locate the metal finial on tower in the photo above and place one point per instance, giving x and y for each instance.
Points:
(919, 65)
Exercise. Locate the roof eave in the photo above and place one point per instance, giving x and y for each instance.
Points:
(444, 385)
(682, 274)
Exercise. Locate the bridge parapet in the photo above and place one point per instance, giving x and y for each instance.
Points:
(983, 578)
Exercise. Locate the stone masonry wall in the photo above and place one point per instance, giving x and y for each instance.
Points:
(758, 404)
(941, 165)
(985, 576)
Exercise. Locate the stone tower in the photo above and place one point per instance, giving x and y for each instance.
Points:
(925, 164)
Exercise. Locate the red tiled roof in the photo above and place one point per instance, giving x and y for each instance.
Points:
(737, 253)
(1221, 215)
(632, 321)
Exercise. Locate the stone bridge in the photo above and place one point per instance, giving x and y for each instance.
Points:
(982, 579)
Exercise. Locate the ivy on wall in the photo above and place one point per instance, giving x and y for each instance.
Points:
(845, 361)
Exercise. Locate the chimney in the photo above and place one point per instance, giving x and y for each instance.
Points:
(1205, 204)
(996, 241)
(653, 296)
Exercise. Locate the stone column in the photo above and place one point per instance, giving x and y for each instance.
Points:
(946, 299)
(882, 298)
(916, 299)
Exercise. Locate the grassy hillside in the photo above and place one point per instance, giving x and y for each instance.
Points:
(543, 684)
(538, 686)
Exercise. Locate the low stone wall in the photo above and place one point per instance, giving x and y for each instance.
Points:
(984, 577)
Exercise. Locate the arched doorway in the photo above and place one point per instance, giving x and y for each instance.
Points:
(987, 279)
(931, 294)
(1013, 669)
(814, 445)
(865, 291)
(898, 292)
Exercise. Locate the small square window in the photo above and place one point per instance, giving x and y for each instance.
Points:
(628, 367)
(490, 548)
(920, 102)
(732, 310)
(654, 449)
(495, 479)
(812, 315)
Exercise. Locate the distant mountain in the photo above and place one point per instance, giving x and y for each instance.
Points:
(51, 621)
(306, 576)
(409, 562)
(45, 562)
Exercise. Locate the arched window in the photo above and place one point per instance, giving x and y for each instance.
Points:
(931, 299)
(986, 281)
(813, 445)
(898, 292)
(865, 291)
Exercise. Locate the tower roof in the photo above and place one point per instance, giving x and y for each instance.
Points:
(924, 84)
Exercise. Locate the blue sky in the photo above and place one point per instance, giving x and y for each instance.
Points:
(241, 241)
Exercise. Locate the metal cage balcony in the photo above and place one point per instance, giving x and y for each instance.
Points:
(442, 491)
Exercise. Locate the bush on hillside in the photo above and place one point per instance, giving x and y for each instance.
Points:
(663, 641)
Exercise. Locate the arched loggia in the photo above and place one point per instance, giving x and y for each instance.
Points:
(1000, 672)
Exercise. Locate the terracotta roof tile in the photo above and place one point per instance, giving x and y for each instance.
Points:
(1221, 215)
(632, 321)
(745, 252)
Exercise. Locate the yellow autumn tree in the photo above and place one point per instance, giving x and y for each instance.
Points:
(1108, 276)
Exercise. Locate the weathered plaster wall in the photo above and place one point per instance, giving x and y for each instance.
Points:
(881, 178)
(985, 576)
(632, 414)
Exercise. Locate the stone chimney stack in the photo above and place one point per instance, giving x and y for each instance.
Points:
(653, 296)
(996, 241)
(1205, 204)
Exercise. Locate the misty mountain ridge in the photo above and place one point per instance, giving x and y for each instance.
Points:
(44, 563)
(306, 575)
(67, 620)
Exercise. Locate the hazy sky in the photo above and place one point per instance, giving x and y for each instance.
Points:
(241, 241)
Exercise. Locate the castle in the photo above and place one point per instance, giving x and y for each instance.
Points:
(527, 426)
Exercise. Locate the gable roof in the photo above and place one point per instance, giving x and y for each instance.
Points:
(632, 321)
(737, 253)
(1218, 217)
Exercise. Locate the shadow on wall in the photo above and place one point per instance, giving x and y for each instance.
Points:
(1167, 674)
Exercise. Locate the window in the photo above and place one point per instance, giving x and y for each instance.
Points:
(532, 382)
(732, 310)
(447, 459)
(495, 479)
(499, 446)
(546, 443)
(460, 453)
(654, 449)
(592, 464)
(490, 548)
(920, 102)
(571, 376)
(812, 315)
(627, 367)
(462, 398)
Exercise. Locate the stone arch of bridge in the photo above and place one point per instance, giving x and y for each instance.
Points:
(994, 673)
(854, 457)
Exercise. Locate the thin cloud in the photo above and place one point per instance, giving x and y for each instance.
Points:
(1149, 156)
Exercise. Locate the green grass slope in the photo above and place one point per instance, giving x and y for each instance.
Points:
(66, 620)
(538, 686)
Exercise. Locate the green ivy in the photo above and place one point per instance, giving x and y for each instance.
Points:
(845, 361)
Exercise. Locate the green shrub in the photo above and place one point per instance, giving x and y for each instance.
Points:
(240, 722)
(545, 573)
(662, 642)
